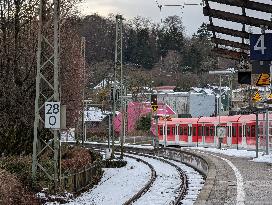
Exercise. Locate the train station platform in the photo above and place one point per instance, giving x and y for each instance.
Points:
(234, 180)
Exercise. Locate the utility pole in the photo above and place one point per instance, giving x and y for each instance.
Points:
(220, 73)
(118, 67)
(47, 72)
(83, 55)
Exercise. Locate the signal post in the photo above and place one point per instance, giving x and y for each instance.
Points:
(154, 106)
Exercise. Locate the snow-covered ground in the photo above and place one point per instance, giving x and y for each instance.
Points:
(117, 185)
(165, 187)
(238, 153)
(195, 183)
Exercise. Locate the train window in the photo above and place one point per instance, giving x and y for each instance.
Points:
(181, 131)
(189, 131)
(207, 131)
(211, 131)
(247, 130)
(260, 130)
(161, 131)
(240, 131)
(253, 130)
(194, 131)
(200, 131)
(185, 131)
(173, 131)
(233, 131)
(168, 130)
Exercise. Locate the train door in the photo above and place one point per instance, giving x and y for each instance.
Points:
(239, 134)
(171, 133)
(209, 134)
(164, 134)
(215, 138)
(248, 134)
(183, 133)
(244, 142)
(203, 133)
(194, 133)
(229, 134)
(199, 135)
(225, 138)
(177, 134)
(160, 133)
(190, 141)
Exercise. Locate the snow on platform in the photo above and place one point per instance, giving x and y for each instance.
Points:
(238, 153)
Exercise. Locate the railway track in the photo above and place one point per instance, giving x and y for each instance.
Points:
(177, 160)
(183, 187)
(146, 186)
(183, 180)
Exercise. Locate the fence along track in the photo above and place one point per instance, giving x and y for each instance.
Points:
(184, 185)
(197, 162)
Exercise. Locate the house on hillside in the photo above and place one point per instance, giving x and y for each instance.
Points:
(215, 90)
(96, 120)
(164, 89)
(178, 101)
(189, 104)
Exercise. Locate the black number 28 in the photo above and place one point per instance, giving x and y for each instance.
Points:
(53, 109)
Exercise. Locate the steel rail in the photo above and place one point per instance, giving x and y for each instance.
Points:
(183, 177)
(146, 186)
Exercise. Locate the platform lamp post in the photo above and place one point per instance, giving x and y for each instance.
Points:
(227, 72)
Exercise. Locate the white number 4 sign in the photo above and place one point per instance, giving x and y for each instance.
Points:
(259, 46)
(52, 115)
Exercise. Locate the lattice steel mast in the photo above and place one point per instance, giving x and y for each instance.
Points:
(118, 68)
(83, 55)
(47, 88)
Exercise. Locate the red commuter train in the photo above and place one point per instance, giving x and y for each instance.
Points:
(240, 131)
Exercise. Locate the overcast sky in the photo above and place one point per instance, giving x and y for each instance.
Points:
(192, 15)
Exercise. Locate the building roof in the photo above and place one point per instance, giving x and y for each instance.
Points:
(94, 114)
(165, 88)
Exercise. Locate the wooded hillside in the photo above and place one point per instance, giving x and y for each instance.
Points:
(153, 55)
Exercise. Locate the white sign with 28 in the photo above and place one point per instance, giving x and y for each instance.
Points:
(52, 115)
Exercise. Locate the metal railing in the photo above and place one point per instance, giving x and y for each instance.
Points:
(83, 178)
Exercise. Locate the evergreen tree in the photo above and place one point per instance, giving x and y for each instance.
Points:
(203, 33)
(198, 55)
(131, 46)
(144, 52)
(171, 35)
